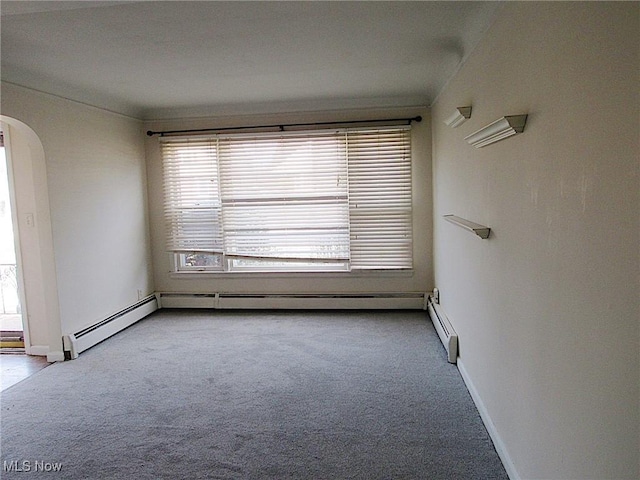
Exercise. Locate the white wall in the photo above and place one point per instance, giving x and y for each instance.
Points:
(97, 193)
(547, 309)
(420, 281)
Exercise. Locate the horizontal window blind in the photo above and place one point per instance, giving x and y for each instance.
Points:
(380, 198)
(285, 196)
(192, 207)
(315, 196)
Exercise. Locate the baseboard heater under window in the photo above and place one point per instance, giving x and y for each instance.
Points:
(293, 301)
(447, 334)
(75, 343)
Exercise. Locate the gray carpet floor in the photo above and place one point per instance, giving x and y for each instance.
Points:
(252, 395)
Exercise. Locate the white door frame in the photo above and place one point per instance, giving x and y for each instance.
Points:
(16, 237)
(43, 329)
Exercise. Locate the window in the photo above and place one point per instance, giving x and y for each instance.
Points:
(328, 200)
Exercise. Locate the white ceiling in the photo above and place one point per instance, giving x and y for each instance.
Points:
(154, 59)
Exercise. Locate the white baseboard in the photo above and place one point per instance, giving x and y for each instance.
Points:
(447, 334)
(488, 423)
(38, 350)
(75, 343)
(292, 301)
(55, 357)
(43, 351)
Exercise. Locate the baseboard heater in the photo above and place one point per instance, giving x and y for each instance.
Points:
(293, 300)
(75, 343)
(447, 334)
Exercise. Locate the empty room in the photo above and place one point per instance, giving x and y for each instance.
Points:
(313, 240)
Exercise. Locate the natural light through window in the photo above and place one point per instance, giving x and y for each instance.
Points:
(316, 201)
(9, 300)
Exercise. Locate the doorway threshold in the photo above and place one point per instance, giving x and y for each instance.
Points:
(17, 367)
(11, 339)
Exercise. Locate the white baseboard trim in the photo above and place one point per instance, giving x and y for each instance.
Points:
(75, 343)
(37, 350)
(43, 351)
(488, 423)
(447, 334)
(291, 301)
(55, 357)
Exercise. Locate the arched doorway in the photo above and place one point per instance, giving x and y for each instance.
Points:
(11, 328)
(39, 298)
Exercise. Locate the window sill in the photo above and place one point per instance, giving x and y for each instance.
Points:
(244, 275)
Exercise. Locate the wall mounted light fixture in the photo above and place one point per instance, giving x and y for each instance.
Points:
(459, 117)
(502, 128)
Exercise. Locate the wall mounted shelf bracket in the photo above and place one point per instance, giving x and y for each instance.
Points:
(498, 130)
(479, 230)
(461, 115)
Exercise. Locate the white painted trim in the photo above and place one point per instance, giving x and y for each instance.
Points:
(293, 301)
(75, 343)
(38, 350)
(24, 315)
(447, 334)
(209, 274)
(502, 128)
(55, 357)
(488, 423)
(187, 301)
(131, 115)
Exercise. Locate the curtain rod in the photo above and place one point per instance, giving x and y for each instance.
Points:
(282, 126)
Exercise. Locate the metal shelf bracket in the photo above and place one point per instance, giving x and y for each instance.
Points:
(479, 230)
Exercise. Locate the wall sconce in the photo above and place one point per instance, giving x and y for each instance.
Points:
(459, 117)
(502, 128)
